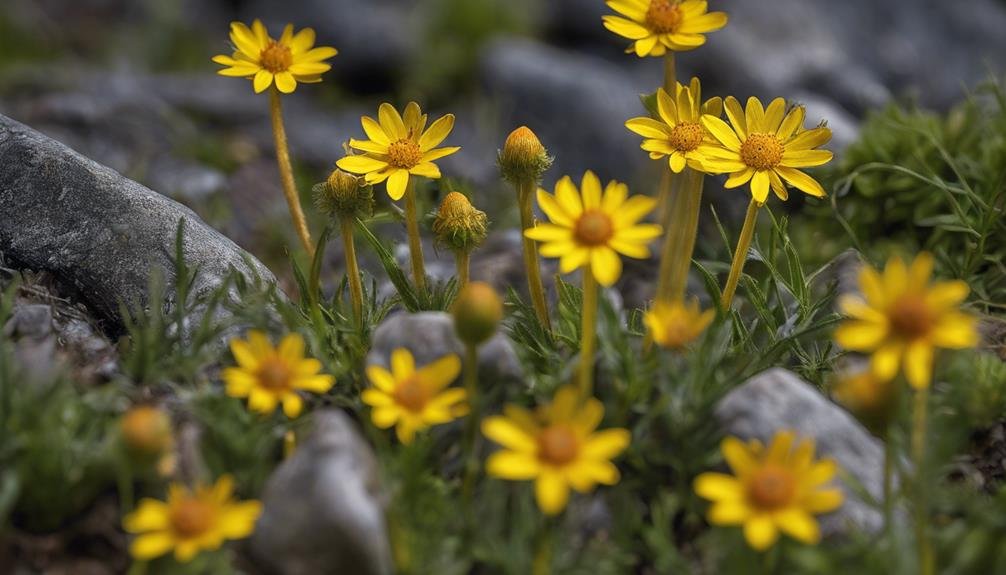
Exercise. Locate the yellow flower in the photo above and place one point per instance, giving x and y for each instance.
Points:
(657, 26)
(399, 147)
(591, 230)
(778, 489)
(902, 318)
(679, 131)
(675, 325)
(265, 61)
(765, 146)
(559, 447)
(413, 399)
(268, 376)
(190, 521)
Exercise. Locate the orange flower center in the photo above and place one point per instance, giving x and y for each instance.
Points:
(910, 317)
(191, 517)
(276, 57)
(404, 153)
(558, 445)
(663, 16)
(686, 136)
(594, 228)
(762, 151)
(274, 375)
(411, 394)
(771, 487)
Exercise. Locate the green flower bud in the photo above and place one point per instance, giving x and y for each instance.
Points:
(459, 225)
(523, 157)
(344, 195)
(477, 312)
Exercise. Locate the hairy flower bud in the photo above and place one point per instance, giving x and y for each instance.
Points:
(523, 157)
(477, 312)
(458, 224)
(344, 195)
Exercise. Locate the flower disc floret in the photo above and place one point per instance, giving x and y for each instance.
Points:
(762, 151)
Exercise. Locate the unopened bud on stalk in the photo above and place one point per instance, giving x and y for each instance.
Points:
(344, 195)
(523, 157)
(146, 431)
(477, 312)
(459, 225)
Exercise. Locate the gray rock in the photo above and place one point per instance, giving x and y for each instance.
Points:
(30, 320)
(323, 512)
(778, 399)
(430, 336)
(98, 233)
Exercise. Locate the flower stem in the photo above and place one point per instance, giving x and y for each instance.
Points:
(681, 225)
(471, 377)
(670, 73)
(286, 172)
(542, 563)
(926, 563)
(535, 287)
(740, 255)
(463, 259)
(589, 328)
(888, 481)
(415, 242)
(353, 270)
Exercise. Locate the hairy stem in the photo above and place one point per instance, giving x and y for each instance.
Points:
(535, 287)
(463, 259)
(353, 270)
(589, 329)
(415, 241)
(740, 255)
(286, 172)
(919, 409)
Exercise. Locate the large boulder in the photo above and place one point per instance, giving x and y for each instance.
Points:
(779, 400)
(98, 233)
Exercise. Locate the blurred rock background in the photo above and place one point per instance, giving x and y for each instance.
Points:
(130, 83)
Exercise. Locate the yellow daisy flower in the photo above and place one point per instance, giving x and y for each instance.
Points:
(871, 399)
(773, 490)
(268, 376)
(190, 521)
(656, 26)
(399, 146)
(558, 447)
(678, 133)
(592, 229)
(902, 318)
(675, 325)
(414, 399)
(765, 146)
(265, 61)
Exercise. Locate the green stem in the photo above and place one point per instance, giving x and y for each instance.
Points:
(670, 74)
(535, 287)
(926, 559)
(888, 480)
(415, 241)
(353, 270)
(463, 262)
(542, 564)
(286, 172)
(740, 255)
(681, 225)
(589, 329)
(471, 377)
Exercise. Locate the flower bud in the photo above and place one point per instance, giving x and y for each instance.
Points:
(523, 157)
(344, 195)
(458, 225)
(477, 312)
(146, 431)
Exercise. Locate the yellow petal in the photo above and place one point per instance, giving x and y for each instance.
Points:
(440, 373)
(403, 365)
(792, 123)
(552, 492)
(553, 209)
(381, 378)
(718, 487)
(634, 209)
(774, 115)
(238, 520)
(568, 197)
(885, 361)
(738, 456)
(605, 265)
(919, 364)
(606, 444)
(359, 164)
(513, 465)
(823, 500)
(438, 153)
(302, 41)
(801, 181)
(861, 335)
(809, 139)
(150, 515)
(625, 28)
(245, 40)
(398, 183)
(374, 131)
(647, 127)
(376, 398)
(152, 545)
(805, 158)
(292, 405)
(799, 525)
(391, 122)
(590, 187)
(944, 295)
(508, 434)
(385, 416)
(760, 186)
(956, 331)
(437, 133)
(244, 354)
(729, 512)
(426, 170)
(262, 81)
(722, 132)
(760, 532)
